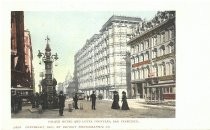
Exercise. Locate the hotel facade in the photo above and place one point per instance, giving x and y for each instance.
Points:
(153, 59)
(103, 63)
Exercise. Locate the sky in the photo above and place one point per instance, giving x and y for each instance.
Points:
(68, 32)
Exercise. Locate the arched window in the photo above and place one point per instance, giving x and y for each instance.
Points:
(146, 44)
(141, 57)
(132, 75)
(163, 69)
(141, 74)
(170, 47)
(136, 59)
(132, 50)
(162, 37)
(146, 56)
(145, 71)
(156, 70)
(167, 68)
(166, 35)
(133, 60)
(141, 46)
(155, 41)
(136, 49)
(162, 50)
(136, 74)
(154, 53)
(172, 66)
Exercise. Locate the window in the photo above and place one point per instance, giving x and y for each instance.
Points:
(171, 33)
(146, 72)
(136, 74)
(158, 39)
(146, 57)
(163, 37)
(141, 73)
(132, 75)
(141, 58)
(141, 47)
(155, 41)
(155, 70)
(132, 60)
(154, 53)
(171, 47)
(166, 35)
(146, 46)
(132, 50)
(137, 59)
(162, 50)
(170, 68)
(136, 49)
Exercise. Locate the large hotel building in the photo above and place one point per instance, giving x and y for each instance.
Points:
(153, 58)
(131, 55)
(101, 63)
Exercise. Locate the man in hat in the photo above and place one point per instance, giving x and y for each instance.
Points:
(75, 98)
(93, 99)
(61, 102)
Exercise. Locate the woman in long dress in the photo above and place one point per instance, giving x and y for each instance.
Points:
(124, 101)
(115, 104)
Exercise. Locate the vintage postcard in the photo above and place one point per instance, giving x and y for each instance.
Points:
(94, 69)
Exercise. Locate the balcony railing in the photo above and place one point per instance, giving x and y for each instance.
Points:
(164, 56)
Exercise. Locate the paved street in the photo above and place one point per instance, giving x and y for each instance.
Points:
(103, 110)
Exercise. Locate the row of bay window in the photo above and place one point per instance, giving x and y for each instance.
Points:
(153, 41)
(156, 70)
(155, 53)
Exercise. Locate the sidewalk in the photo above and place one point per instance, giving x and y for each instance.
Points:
(164, 105)
(140, 103)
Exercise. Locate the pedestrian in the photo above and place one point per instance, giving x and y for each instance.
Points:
(93, 99)
(88, 97)
(37, 100)
(115, 104)
(61, 102)
(124, 101)
(75, 101)
(19, 101)
(13, 97)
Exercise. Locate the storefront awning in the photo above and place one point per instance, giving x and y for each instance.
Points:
(138, 81)
(161, 85)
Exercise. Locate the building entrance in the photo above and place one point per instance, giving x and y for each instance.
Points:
(140, 90)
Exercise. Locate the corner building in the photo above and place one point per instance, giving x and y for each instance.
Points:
(101, 64)
(153, 59)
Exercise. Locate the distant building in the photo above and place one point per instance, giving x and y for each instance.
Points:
(21, 53)
(71, 88)
(102, 64)
(60, 87)
(153, 58)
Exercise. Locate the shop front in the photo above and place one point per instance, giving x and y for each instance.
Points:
(159, 90)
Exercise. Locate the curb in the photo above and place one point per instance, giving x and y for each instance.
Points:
(160, 107)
